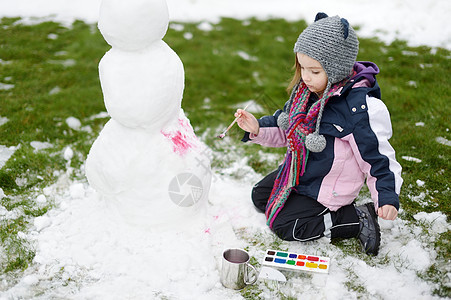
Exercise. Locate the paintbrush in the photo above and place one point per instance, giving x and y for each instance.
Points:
(222, 135)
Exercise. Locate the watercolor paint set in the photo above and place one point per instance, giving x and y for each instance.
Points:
(292, 261)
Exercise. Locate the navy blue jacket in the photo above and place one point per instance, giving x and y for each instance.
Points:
(357, 127)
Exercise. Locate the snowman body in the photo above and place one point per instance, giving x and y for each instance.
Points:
(147, 160)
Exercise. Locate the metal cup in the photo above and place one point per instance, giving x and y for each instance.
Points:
(235, 269)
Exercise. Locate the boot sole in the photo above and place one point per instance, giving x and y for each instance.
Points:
(374, 216)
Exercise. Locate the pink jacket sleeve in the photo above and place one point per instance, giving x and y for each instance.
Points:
(270, 137)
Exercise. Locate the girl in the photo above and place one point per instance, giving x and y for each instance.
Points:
(336, 131)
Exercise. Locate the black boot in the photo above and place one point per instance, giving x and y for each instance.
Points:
(369, 234)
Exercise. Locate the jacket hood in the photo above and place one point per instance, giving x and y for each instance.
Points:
(367, 70)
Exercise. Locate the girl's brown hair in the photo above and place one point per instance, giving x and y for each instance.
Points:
(297, 74)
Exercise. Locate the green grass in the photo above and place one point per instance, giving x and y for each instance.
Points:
(39, 58)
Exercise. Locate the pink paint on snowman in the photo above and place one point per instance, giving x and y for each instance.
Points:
(183, 138)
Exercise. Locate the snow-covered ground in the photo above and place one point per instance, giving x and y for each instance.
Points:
(85, 249)
(418, 22)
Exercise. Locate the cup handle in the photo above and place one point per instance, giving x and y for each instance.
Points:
(246, 274)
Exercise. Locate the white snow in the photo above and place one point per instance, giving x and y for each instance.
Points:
(205, 26)
(412, 83)
(100, 115)
(5, 62)
(6, 86)
(42, 222)
(37, 145)
(30, 280)
(409, 53)
(60, 53)
(73, 123)
(41, 199)
(77, 191)
(126, 26)
(52, 36)
(6, 153)
(68, 153)
(246, 56)
(147, 157)
(435, 220)
(188, 35)
(55, 90)
(443, 141)
(418, 22)
(3, 120)
(177, 27)
(411, 158)
(87, 248)
(65, 63)
(127, 75)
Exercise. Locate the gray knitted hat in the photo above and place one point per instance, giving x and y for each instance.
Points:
(334, 44)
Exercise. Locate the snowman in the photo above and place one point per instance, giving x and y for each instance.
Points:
(147, 161)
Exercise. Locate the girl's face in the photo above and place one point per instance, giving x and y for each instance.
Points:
(312, 73)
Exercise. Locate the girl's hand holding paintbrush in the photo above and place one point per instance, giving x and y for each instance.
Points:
(247, 121)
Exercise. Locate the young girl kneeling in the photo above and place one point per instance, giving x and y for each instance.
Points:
(336, 131)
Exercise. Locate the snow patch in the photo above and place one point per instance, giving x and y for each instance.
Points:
(177, 27)
(100, 115)
(3, 120)
(55, 90)
(414, 26)
(205, 26)
(246, 56)
(435, 220)
(420, 182)
(443, 141)
(188, 36)
(41, 199)
(6, 153)
(410, 158)
(37, 146)
(6, 86)
(42, 222)
(30, 280)
(52, 36)
(68, 153)
(65, 63)
(73, 123)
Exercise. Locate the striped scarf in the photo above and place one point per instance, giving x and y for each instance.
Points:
(301, 123)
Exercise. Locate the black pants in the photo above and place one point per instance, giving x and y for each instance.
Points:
(303, 218)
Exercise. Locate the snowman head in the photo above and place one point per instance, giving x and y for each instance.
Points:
(133, 25)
